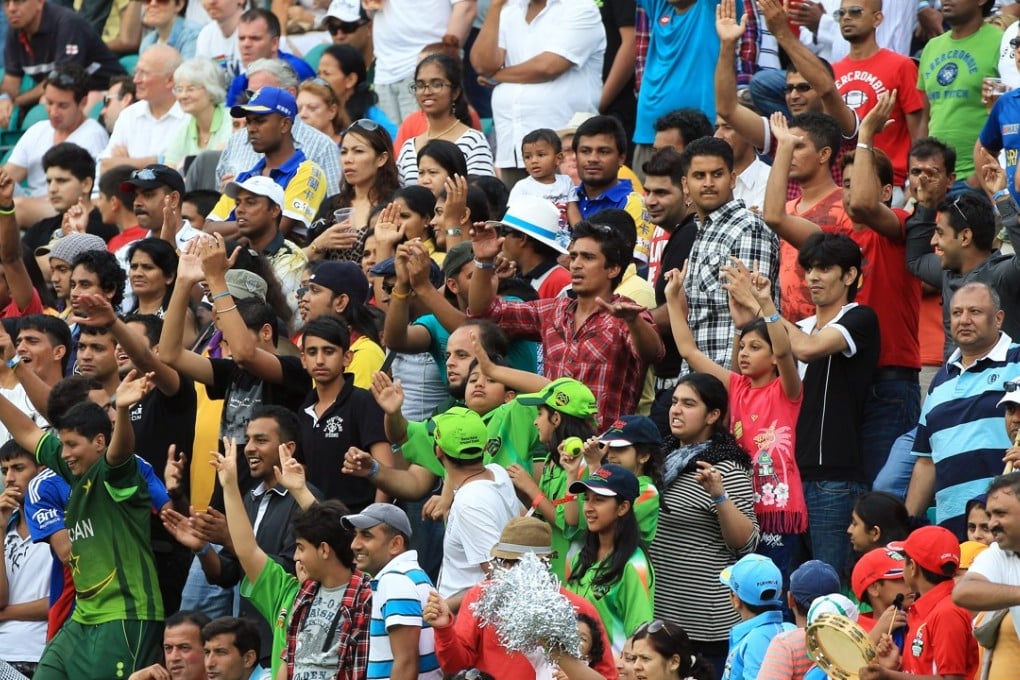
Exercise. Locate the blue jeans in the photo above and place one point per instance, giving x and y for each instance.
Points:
(478, 95)
(892, 408)
(426, 537)
(829, 506)
(781, 549)
(199, 595)
(768, 91)
(894, 477)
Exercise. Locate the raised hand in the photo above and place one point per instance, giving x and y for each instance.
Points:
(6, 181)
(97, 310)
(485, 242)
(133, 388)
(388, 230)
(210, 526)
(775, 16)
(738, 285)
(289, 473)
(212, 250)
(990, 173)
(180, 528)
(173, 473)
(10, 500)
(226, 463)
(481, 356)
(76, 219)
(388, 393)
(781, 130)
(726, 24)
(455, 212)
(523, 481)
(172, 220)
(437, 613)
(419, 264)
(878, 117)
(189, 266)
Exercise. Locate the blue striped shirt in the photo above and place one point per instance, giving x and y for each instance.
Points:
(962, 429)
(399, 594)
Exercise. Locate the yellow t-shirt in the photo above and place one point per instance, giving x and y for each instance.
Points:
(304, 188)
(367, 358)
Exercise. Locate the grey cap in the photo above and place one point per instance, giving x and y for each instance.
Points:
(69, 247)
(244, 284)
(376, 514)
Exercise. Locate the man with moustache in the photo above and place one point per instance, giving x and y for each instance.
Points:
(182, 649)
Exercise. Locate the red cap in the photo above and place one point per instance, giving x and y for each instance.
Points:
(932, 548)
(880, 564)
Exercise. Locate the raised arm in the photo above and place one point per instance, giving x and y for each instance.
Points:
(418, 265)
(792, 229)
(411, 484)
(865, 205)
(389, 394)
(462, 15)
(522, 382)
(242, 536)
(130, 391)
(18, 281)
(921, 260)
(291, 475)
(782, 351)
(486, 244)
(20, 426)
(486, 55)
(171, 349)
(400, 335)
(745, 121)
(676, 303)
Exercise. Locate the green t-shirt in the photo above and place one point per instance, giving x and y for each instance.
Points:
(951, 74)
(553, 484)
(646, 508)
(624, 605)
(512, 439)
(108, 521)
(273, 596)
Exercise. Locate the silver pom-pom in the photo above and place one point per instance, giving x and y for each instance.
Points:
(525, 607)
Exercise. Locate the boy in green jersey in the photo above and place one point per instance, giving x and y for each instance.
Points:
(117, 623)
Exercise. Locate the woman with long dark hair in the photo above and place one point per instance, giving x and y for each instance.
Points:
(439, 88)
(343, 68)
(708, 518)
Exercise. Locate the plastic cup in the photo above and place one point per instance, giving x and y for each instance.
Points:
(341, 215)
(996, 86)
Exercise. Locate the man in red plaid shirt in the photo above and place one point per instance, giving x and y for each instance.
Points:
(604, 340)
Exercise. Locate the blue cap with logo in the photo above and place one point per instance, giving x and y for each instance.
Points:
(268, 100)
(755, 579)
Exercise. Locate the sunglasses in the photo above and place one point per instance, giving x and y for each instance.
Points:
(959, 210)
(653, 627)
(852, 12)
(366, 124)
(61, 79)
(799, 87)
(346, 27)
(1012, 386)
(145, 174)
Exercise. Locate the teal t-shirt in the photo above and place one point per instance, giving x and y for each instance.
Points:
(523, 354)
(951, 74)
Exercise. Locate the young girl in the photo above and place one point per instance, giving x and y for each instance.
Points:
(878, 518)
(612, 570)
(764, 400)
(408, 216)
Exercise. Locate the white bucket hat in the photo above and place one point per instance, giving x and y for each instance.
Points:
(537, 218)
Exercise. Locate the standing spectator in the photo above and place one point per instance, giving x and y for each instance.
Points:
(400, 29)
(349, 24)
(65, 91)
(218, 39)
(1000, 133)
(726, 228)
(542, 151)
(144, 129)
(618, 87)
(952, 69)
(867, 73)
(955, 415)
(402, 643)
(611, 368)
(168, 27)
(545, 64)
(258, 37)
(42, 36)
(752, 172)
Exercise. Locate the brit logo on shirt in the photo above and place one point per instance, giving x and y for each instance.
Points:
(333, 427)
(71, 50)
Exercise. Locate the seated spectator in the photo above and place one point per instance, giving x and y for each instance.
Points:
(144, 129)
(258, 37)
(167, 26)
(196, 204)
(439, 88)
(231, 648)
(184, 656)
(679, 128)
(437, 162)
(533, 240)
(659, 642)
(409, 216)
(66, 121)
(198, 86)
(357, 100)
(157, 197)
(319, 107)
(542, 152)
(119, 96)
(43, 35)
(218, 39)
(877, 581)
(122, 30)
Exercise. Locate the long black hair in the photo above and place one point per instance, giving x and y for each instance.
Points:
(570, 426)
(363, 98)
(669, 639)
(626, 540)
(455, 74)
(163, 256)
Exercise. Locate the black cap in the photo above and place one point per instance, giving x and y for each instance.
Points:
(154, 176)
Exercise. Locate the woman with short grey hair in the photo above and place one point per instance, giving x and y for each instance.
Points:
(201, 91)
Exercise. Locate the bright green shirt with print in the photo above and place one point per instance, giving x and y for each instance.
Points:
(273, 595)
(624, 604)
(646, 508)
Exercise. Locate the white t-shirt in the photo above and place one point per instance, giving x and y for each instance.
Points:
(142, 133)
(571, 29)
(479, 512)
(17, 396)
(894, 33)
(750, 187)
(38, 139)
(999, 566)
(28, 575)
(211, 43)
(472, 144)
(401, 29)
(1007, 61)
(560, 192)
(315, 657)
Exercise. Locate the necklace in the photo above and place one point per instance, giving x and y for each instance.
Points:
(465, 480)
(429, 135)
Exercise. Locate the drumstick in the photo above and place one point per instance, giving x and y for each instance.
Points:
(898, 602)
(1009, 463)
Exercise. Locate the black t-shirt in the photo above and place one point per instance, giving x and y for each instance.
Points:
(63, 36)
(354, 419)
(835, 388)
(674, 255)
(41, 233)
(160, 420)
(242, 392)
(617, 14)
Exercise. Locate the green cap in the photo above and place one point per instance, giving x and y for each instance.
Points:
(461, 433)
(565, 395)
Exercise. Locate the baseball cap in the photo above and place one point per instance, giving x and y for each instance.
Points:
(68, 247)
(258, 185)
(461, 433)
(755, 579)
(932, 547)
(376, 514)
(1012, 392)
(574, 123)
(343, 278)
(523, 535)
(456, 258)
(243, 284)
(880, 564)
(835, 603)
(968, 551)
(631, 430)
(347, 11)
(538, 218)
(609, 480)
(565, 395)
(153, 176)
(267, 100)
(813, 579)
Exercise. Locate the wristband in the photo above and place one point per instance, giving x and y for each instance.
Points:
(484, 265)
(996, 197)
(225, 309)
(538, 500)
(569, 498)
(204, 551)
(721, 499)
(400, 296)
(923, 4)
(375, 469)
(772, 319)
(14, 361)
(4, 210)
(454, 232)
(866, 147)
(216, 297)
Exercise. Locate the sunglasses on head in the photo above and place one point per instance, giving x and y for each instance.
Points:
(799, 87)
(366, 124)
(1012, 386)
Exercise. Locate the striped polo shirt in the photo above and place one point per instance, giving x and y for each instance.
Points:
(962, 429)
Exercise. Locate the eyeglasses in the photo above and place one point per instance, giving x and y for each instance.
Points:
(186, 89)
(799, 87)
(345, 27)
(853, 12)
(430, 86)
(366, 124)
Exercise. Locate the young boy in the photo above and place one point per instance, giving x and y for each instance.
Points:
(543, 152)
(25, 566)
(757, 586)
